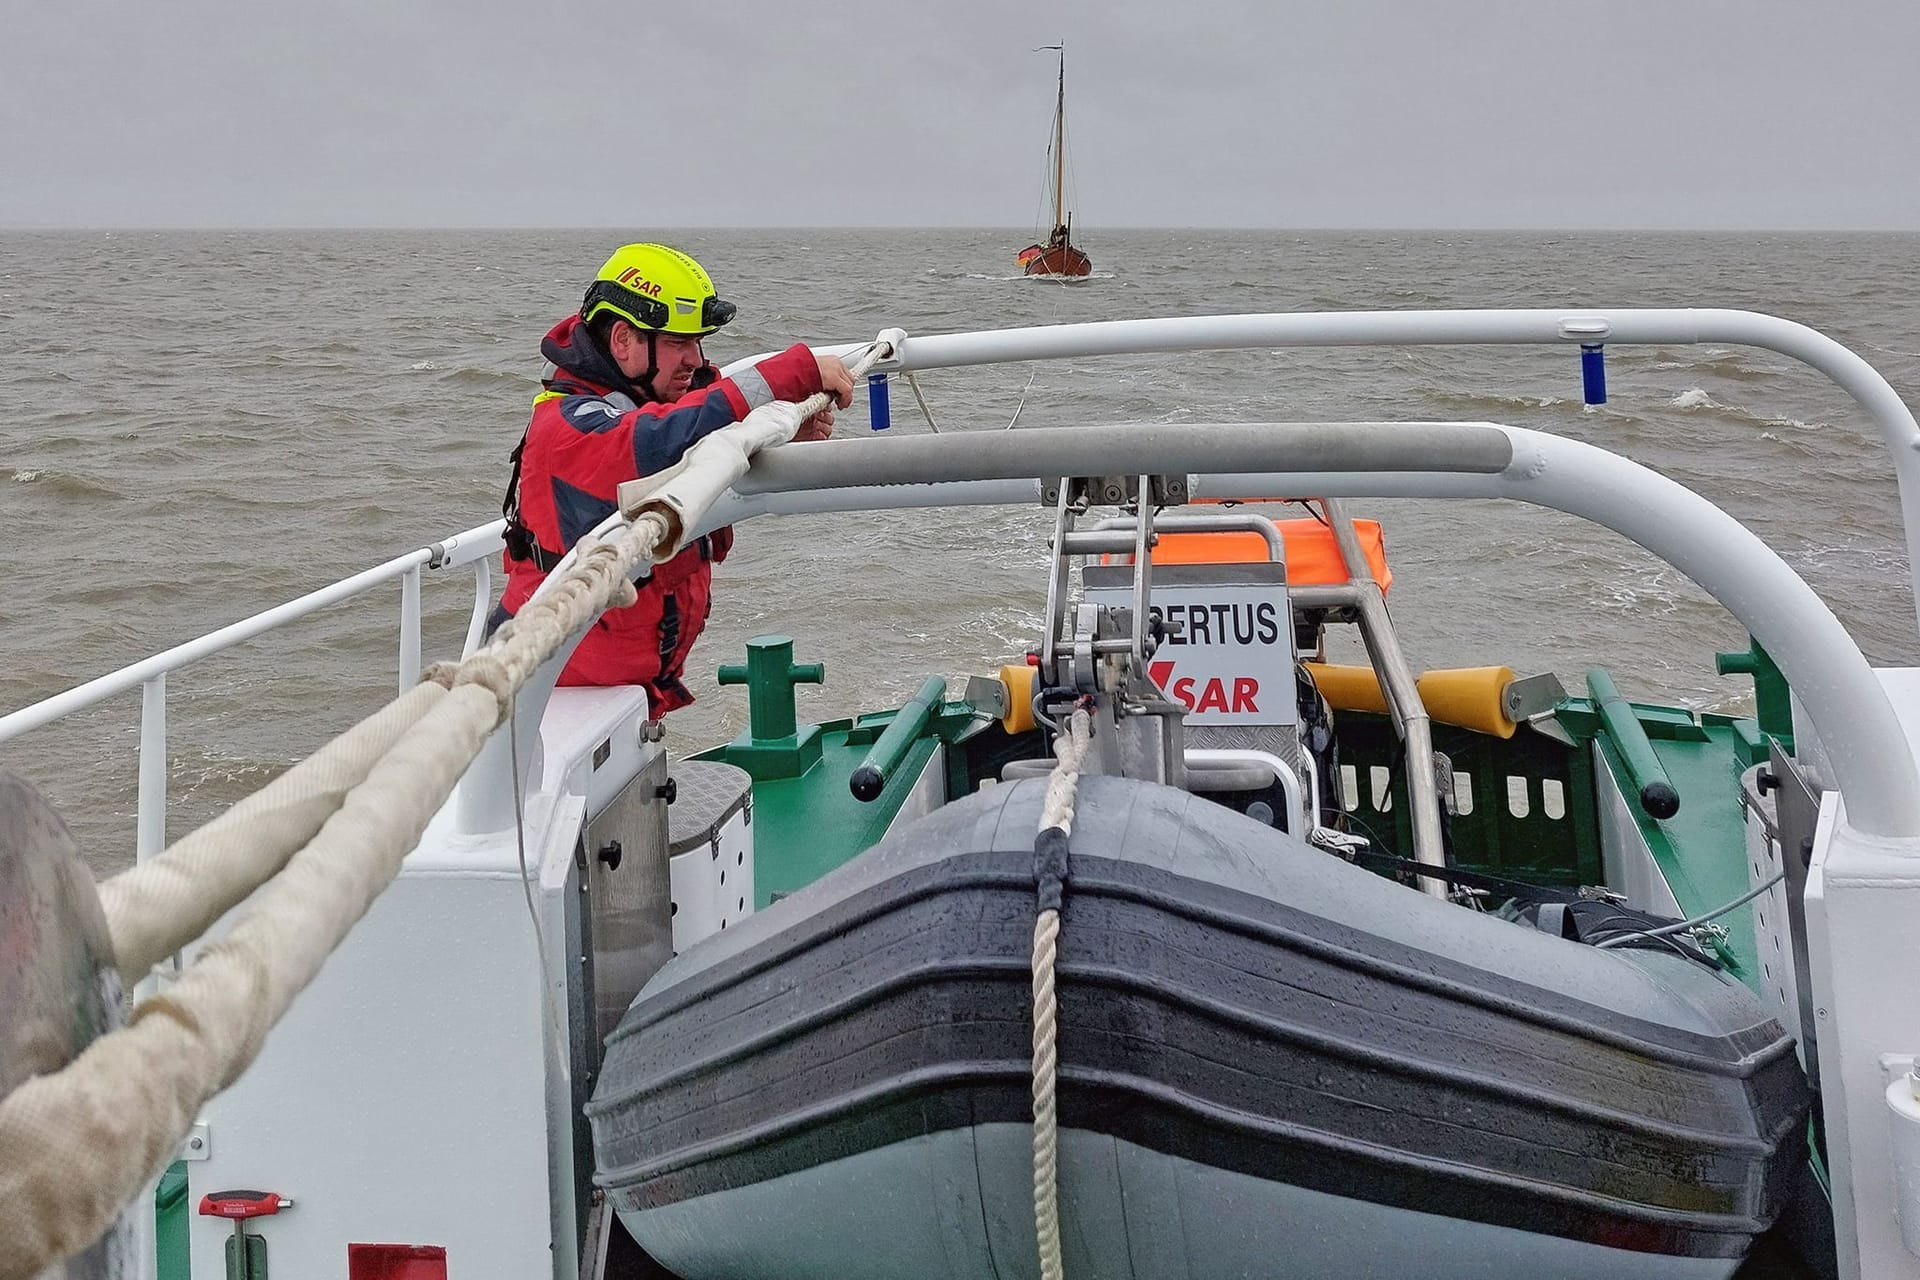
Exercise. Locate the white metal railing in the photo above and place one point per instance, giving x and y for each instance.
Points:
(472, 547)
(1562, 327)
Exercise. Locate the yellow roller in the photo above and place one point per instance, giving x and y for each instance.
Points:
(1470, 697)
(1019, 682)
(1348, 688)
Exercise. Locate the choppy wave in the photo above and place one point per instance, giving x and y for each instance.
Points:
(1699, 400)
(1644, 593)
(1499, 402)
(1857, 555)
(222, 772)
(477, 377)
(1732, 365)
(63, 484)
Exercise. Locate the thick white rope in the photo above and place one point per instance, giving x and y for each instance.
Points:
(1070, 751)
(164, 903)
(1056, 824)
(77, 1145)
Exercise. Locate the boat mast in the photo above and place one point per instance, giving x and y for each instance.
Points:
(1060, 140)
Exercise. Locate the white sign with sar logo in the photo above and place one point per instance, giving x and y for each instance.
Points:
(1232, 659)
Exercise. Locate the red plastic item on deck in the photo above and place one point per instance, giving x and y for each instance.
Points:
(396, 1262)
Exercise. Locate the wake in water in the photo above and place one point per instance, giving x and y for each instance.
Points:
(1018, 276)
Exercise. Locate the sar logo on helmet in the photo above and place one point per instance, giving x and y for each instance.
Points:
(633, 280)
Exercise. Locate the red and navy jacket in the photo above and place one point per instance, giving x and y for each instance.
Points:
(586, 437)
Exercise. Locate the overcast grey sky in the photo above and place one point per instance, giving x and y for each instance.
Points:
(1275, 113)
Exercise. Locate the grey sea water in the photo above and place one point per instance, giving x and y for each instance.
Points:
(198, 426)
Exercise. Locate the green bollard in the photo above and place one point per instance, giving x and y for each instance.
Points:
(774, 746)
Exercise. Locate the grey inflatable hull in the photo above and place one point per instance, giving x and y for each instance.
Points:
(1271, 1063)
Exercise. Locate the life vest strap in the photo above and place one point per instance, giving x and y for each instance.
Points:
(547, 561)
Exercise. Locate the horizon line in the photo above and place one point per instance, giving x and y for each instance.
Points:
(1016, 231)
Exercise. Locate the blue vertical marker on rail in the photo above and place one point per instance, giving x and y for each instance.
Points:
(1593, 373)
(879, 410)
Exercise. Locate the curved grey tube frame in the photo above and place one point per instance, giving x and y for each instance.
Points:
(1129, 450)
(1869, 752)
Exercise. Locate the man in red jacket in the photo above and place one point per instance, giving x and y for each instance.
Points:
(628, 390)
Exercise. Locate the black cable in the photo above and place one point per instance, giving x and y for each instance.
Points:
(1311, 510)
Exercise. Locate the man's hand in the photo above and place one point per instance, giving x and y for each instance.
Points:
(835, 380)
(818, 427)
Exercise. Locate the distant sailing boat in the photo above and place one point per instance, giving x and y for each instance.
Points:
(1057, 257)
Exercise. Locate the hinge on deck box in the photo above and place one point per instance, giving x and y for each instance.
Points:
(1115, 491)
(1532, 696)
(988, 694)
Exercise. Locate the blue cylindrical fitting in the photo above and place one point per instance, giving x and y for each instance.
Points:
(1593, 373)
(879, 411)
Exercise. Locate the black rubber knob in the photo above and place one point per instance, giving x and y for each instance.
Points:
(1659, 800)
(867, 783)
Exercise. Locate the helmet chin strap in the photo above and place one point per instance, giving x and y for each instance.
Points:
(645, 380)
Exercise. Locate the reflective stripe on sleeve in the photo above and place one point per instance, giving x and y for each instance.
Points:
(753, 385)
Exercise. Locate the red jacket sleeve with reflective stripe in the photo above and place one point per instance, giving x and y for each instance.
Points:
(593, 447)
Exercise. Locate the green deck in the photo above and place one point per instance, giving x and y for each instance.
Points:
(1511, 830)
(804, 827)
(171, 1218)
(1702, 849)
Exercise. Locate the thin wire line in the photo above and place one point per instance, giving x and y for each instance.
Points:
(1678, 925)
(557, 1026)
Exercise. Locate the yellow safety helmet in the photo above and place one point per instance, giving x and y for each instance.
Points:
(652, 286)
